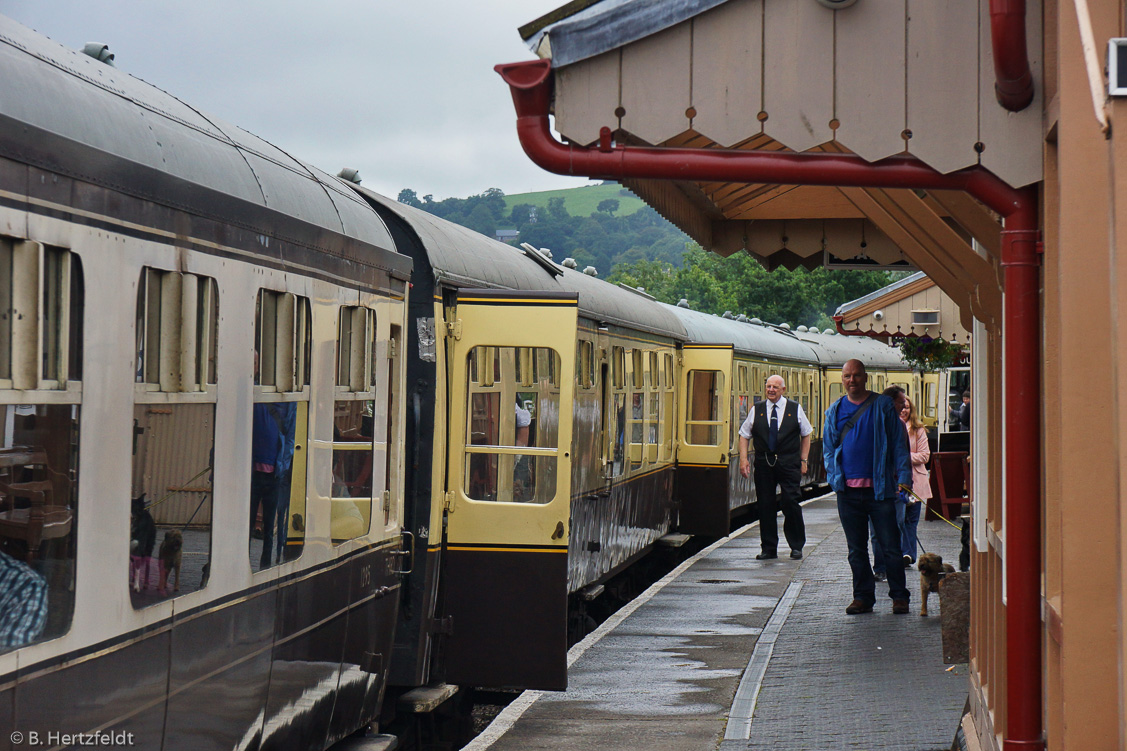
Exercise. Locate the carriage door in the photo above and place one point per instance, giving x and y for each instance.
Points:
(512, 374)
(701, 485)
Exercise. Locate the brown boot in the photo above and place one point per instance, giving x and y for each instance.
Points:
(859, 606)
(900, 607)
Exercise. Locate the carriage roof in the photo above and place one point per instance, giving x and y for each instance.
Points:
(67, 113)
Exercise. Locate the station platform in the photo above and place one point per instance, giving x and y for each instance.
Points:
(731, 653)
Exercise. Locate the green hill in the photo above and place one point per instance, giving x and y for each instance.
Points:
(581, 201)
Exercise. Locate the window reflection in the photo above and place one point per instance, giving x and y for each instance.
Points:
(517, 407)
(170, 523)
(38, 521)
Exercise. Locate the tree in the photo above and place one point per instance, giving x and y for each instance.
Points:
(521, 214)
(481, 220)
(557, 209)
(410, 197)
(608, 205)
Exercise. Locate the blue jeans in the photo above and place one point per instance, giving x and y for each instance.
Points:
(878, 552)
(856, 507)
(908, 538)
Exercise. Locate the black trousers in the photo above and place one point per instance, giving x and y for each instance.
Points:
(787, 474)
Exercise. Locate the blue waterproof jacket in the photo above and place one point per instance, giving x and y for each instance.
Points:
(887, 429)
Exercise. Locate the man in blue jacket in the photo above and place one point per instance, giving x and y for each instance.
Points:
(867, 461)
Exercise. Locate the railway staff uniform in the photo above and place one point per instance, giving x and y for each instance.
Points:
(780, 434)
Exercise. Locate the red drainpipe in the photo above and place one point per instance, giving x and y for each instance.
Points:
(1013, 80)
(531, 85)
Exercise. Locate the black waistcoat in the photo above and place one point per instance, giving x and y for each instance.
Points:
(789, 440)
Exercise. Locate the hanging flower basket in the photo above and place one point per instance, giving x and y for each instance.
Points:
(927, 354)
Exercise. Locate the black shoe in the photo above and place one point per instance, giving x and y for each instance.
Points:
(859, 606)
(796, 554)
(765, 555)
(908, 561)
(880, 576)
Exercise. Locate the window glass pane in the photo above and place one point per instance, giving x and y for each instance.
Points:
(652, 418)
(352, 469)
(636, 417)
(5, 308)
(835, 391)
(170, 541)
(519, 407)
(38, 519)
(274, 438)
(618, 440)
(704, 405)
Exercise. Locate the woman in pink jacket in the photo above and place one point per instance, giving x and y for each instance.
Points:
(921, 486)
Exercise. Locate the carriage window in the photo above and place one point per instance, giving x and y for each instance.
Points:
(930, 391)
(279, 422)
(835, 391)
(586, 364)
(704, 407)
(354, 420)
(177, 328)
(512, 427)
(41, 309)
(618, 367)
(41, 303)
(170, 516)
(667, 373)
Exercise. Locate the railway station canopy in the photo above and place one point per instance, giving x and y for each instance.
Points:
(973, 140)
(874, 80)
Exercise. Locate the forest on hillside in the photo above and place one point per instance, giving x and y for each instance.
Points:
(602, 239)
(642, 249)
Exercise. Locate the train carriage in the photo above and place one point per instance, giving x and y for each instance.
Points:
(165, 280)
(726, 365)
(555, 467)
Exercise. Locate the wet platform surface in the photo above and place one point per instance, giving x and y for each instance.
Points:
(732, 653)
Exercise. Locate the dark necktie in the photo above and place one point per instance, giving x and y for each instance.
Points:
(773, 436)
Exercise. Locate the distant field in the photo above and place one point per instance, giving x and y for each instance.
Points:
(580, 201)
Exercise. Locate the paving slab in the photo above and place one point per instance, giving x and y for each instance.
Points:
(665, 671)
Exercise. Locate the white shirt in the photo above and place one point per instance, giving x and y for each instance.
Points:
(804, 427)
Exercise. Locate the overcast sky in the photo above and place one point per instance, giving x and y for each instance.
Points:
(403, 90)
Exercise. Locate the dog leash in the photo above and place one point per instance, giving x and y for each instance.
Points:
(921, 500)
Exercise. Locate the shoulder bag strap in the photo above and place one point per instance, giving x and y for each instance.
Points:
(857, 415)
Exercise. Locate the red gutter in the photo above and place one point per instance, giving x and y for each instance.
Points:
(1013, 80)
(531, 86)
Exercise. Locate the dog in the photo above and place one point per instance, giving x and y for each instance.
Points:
(932, 569)
(142, 540)
(170, 551)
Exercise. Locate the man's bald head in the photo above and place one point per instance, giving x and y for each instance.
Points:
(775, 387)
(854, 379)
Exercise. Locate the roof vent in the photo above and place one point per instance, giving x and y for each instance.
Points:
(741, 318)
(591, 271)
(569, 263)
(100, 52)
(757, 321)
(803, 329)
(349, 174)
(683, 302)
(830, 332)
(728, 315)
(785, 326)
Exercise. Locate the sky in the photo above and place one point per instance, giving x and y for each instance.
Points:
(404, 90)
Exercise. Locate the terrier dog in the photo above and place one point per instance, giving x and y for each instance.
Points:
(170, 559)
(932, 568)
